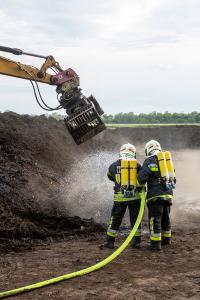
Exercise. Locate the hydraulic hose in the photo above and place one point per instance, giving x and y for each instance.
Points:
(87, 270)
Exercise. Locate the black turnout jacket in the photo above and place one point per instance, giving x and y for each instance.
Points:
(157, 190)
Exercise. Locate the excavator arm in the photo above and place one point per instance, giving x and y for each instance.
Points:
(83, 119)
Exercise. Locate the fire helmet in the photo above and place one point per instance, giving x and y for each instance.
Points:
(152, 148)
(127, 151)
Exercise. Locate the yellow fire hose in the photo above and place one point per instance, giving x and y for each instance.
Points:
(87, 270)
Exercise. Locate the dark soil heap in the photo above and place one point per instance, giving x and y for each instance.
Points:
(35, 152)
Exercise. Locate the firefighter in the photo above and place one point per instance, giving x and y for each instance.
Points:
(159, 197)
(123, 200)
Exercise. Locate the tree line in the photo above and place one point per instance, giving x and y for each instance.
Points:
(152, 118)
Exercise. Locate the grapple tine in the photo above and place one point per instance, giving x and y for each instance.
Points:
(84, 124)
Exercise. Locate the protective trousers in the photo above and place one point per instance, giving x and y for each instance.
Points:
(159, 221)
(117, 214)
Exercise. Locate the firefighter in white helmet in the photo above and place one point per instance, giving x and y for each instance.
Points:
(159, 197)
(122, 198)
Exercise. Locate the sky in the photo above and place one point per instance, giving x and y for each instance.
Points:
(133, 55)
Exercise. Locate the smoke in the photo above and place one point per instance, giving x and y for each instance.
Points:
(186, 208)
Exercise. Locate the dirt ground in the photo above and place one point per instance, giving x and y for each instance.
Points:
(55, 199)
(173, 273)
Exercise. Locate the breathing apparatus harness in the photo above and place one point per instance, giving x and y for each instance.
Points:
(128, 177)
(165, 163)
(166, 168)
(127, 171)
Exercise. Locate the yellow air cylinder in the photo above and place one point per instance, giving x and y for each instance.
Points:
(133, 172)
(124, 173)
(163, 166)
(170, 166)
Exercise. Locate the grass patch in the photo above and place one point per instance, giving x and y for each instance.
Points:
(150, 125)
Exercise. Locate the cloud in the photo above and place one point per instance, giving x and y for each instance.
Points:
(132, 55)
(162, 67)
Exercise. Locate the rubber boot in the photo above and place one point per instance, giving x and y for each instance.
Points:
(166, 241)
(155, 246)
(110, 242)
(135, 243)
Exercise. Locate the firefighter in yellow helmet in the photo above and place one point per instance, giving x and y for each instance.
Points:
(159, 197)
(123, 199)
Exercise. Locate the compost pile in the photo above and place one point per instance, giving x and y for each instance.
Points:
(51, 188)
(35, 153)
